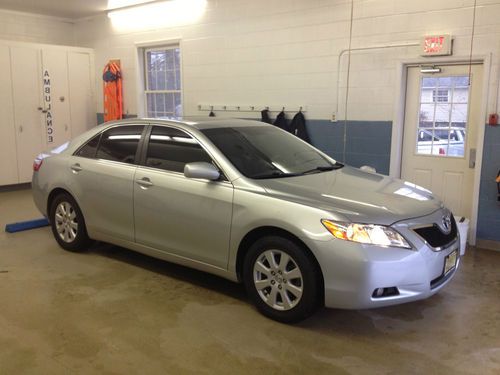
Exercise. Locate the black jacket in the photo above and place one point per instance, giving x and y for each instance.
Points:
(281, 122)
(298, 127)
(265, 116)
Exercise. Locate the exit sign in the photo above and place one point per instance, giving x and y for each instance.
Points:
(436, 45)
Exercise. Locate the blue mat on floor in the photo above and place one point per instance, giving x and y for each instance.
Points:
(25, 225)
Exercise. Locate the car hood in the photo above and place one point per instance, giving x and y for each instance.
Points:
(356, 195)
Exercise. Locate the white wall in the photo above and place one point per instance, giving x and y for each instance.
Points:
(34, 28)
(287, 52)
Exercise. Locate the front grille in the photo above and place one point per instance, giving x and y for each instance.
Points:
(435, 237)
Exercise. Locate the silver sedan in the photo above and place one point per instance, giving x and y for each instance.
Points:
(249, 202)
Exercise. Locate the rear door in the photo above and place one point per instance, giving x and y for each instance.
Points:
(187, 217)
(103, 174)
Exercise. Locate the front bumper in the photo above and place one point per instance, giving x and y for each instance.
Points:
(352, 271)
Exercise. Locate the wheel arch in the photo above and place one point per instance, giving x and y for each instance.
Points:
(264, 231)
(53, 194)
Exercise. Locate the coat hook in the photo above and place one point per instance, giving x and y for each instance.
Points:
(300, 109)
(238, 108)
(267, 107)
(283, 109)
(224, 107)
(252, 107)
(211, 107)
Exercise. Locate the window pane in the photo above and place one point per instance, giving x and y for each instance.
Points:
(89, 150)
(163, 74)
(442, 113)
(178, 106)
(426, 117)
(459, 114)
(171, 149)
(120, 143)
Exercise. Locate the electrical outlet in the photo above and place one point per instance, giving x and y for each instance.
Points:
(334, 117)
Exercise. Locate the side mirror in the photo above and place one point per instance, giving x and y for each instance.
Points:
(201, 169)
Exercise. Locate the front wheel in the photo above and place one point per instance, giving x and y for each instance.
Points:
(68, 224)
(282, 279)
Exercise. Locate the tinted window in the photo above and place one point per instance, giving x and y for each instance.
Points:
(89, 149)
(267, 152)
(120, 143)
(171, 149)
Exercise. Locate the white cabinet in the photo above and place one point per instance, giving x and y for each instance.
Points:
(46, 97)
(8, 153)
(26, 96)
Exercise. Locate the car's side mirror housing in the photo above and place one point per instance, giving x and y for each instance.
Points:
(201, 169)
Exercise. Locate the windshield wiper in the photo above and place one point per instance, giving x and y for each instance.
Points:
(275, 174)
(323, 168)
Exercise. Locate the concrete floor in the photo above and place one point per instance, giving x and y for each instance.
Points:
(113, 311)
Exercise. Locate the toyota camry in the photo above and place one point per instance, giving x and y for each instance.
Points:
(254, 204)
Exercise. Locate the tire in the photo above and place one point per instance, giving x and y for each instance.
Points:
(68, 224)
(288, 290)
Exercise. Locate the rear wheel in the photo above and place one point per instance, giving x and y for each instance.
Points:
(68, 224)
(282, 279)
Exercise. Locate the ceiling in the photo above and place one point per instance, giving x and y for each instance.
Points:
(59, 8)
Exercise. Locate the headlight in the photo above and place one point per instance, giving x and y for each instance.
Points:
(366, 233)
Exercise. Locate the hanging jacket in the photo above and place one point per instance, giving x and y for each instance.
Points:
(280, 121)
(265, 116)
(298, 127)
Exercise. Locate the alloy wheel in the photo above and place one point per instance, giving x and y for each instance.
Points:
(278, 279)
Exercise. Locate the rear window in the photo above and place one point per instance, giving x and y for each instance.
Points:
(89, 149)
(120, 143)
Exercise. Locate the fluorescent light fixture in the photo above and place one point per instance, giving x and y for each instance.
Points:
(157, 14)
(430, 69)
(117, 4)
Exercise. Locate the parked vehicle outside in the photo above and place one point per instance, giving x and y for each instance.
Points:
(254, 204)
(437, 143)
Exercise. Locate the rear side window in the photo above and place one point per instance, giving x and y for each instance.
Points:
(171, 149)
(90, 148)
(120, 143)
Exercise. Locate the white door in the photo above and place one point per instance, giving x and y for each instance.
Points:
(83, 111)
(26, 93)
(440, 133)
(56, 115)
(8, 158)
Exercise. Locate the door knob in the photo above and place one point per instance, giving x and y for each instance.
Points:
(76, 168)
(144, 182)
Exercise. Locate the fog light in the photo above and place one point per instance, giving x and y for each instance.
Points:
(385, 292)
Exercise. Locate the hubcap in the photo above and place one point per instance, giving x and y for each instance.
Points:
(278, 279)
(66, 223)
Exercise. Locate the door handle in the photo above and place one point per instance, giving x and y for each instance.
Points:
(144, 182)
(472, 158)
(76, 168)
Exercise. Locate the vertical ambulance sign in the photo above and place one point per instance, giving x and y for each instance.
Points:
(436, 45)
(47, 100)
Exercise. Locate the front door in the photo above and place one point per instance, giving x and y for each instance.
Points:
(440, 132)
(187, 217)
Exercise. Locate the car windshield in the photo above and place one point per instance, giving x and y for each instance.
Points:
(267, 152)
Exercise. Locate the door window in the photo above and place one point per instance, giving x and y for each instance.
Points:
(89, 149)
(442, 123)
(171, 149)
(120, 143)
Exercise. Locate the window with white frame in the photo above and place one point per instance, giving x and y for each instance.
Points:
(163, 82)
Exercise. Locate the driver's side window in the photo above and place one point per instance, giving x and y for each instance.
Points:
(171, 149)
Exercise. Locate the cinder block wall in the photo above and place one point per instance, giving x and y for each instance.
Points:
(26, 27)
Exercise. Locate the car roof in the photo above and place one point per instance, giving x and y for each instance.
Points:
(195, 123)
